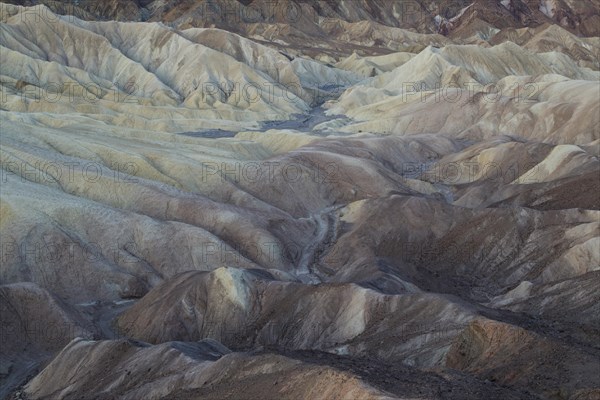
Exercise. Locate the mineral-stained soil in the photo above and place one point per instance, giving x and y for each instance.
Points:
(367, 201)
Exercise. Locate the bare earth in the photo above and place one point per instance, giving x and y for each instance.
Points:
(361, 200)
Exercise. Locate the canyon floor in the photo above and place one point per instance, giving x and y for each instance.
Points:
(329, 200)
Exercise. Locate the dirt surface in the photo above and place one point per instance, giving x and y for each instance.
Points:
(363, 203)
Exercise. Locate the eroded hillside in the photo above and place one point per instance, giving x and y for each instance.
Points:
(352, 205)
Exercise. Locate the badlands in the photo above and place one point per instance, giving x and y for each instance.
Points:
(300, 199)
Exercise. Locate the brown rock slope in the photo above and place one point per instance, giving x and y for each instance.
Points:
(35, 326)
(208, 370)
(321, 28)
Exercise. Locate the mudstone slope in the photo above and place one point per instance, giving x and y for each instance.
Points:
(364, 201)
